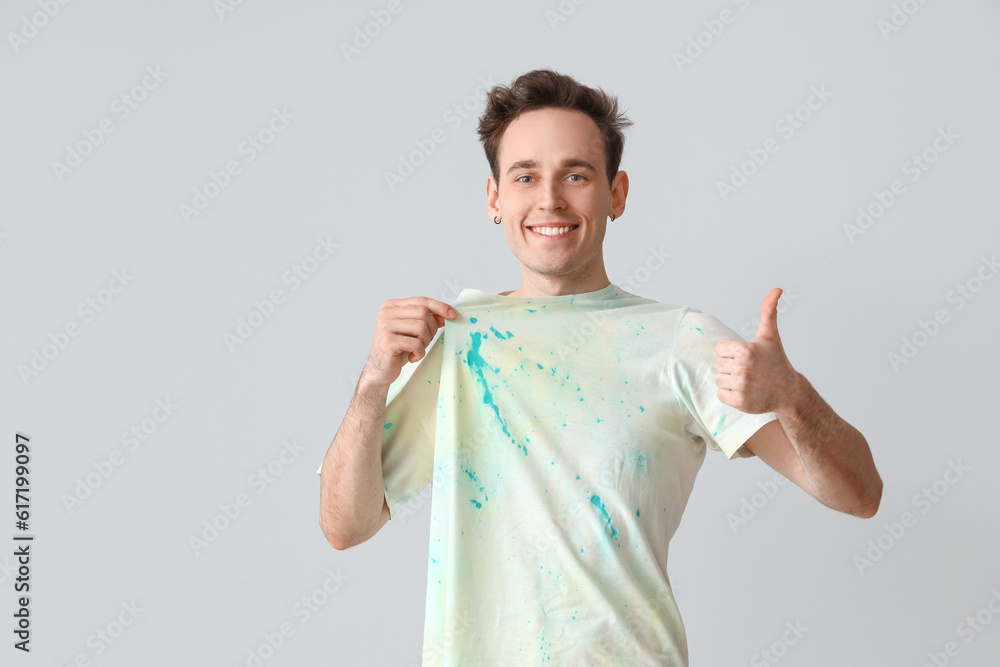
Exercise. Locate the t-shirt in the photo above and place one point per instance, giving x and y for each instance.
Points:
(561, 437)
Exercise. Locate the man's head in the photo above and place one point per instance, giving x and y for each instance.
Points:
(554, 147)
(542, 88)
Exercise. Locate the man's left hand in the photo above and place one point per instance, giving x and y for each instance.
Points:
(756, 377)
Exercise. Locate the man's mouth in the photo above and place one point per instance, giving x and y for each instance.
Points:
(552, 231)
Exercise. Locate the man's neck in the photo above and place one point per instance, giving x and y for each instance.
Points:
(558, 288)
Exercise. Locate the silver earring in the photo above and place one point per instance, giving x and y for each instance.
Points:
(497, 221)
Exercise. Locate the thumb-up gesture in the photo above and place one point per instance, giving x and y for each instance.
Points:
(756, 377)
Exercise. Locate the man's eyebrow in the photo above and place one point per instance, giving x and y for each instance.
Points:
(568, 162)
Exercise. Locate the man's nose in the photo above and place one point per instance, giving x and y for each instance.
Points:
(551, 195)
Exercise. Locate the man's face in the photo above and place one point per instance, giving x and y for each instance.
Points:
(553, 172)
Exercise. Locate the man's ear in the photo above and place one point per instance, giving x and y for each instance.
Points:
(619, 192)
(492, 198)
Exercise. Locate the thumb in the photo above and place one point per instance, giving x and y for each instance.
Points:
(768, 327)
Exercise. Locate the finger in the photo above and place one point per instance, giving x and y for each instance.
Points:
(414, 313)
(727, 348)
(437, 307)
(768, 327)
(726, 396)
(725, 381)
(724, 364)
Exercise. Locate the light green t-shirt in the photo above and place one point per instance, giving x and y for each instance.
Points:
(561, 437)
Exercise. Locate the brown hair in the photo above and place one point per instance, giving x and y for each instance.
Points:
(543, 88)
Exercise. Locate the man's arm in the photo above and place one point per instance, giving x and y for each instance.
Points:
(808, 443)
(352, 494)
(823, 454)
(353, 504)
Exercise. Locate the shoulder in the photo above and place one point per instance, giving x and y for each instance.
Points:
(694, 323)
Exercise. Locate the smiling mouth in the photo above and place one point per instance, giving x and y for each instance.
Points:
(551, 232)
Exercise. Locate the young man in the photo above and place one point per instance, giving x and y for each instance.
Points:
(562, 424)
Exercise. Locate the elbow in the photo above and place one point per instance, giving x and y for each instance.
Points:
(870, 508)
(333, 537)
(338, 542)
(867, 512)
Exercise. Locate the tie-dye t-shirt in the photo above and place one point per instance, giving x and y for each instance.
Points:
(561, 437)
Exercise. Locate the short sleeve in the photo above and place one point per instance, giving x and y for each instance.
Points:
(408, 436)
(722, 427)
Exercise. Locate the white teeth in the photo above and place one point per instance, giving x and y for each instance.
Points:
(551, 231)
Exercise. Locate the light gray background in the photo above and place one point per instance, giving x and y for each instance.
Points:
(323, 176)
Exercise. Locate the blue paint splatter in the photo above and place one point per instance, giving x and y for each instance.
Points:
(497, 333)
(387, 426)
(475, 479)
(477, 364)
(473, 320)
(719, 426)
(596, 500)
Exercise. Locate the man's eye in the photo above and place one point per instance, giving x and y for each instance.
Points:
(580, 175)
(520, 177)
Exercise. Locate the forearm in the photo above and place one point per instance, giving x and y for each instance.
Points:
(835, 456)
(351, 488)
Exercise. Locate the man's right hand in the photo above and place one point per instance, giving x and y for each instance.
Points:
(403, 331)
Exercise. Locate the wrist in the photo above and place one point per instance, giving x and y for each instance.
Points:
(797, 397)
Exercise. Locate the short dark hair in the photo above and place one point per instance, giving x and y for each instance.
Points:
(542, 88)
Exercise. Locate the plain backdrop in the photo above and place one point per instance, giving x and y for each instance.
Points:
(168, 167)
